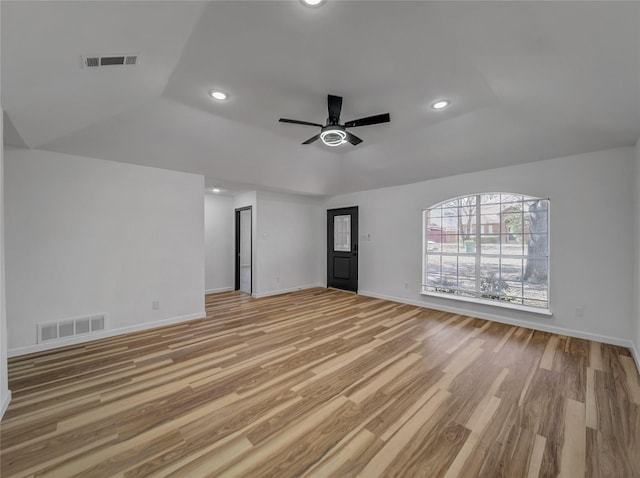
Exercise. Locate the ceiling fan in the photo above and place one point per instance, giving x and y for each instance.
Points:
(334, 133)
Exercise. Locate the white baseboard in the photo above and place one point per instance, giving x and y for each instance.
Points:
(29, 349)
(285, 291)
(221, 289)
(519, 323)
(5, 404)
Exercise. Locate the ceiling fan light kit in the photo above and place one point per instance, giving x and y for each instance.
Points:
(312, 3)
(333, 133)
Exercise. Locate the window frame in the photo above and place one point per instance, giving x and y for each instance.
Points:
(477, 235)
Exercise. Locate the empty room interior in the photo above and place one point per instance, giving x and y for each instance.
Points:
(320, 238)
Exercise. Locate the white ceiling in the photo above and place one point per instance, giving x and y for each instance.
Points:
(527, 80)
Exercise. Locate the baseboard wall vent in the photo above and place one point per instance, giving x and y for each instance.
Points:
(64, 329)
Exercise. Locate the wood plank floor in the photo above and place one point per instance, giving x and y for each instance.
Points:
(325, 383)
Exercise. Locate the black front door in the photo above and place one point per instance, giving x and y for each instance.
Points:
(342, 248)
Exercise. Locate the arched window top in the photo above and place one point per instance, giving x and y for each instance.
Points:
(487, 198)
(488, 247)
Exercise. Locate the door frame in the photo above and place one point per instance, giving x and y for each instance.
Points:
(354, 212)
(237, 251)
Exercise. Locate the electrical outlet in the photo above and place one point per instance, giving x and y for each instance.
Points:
(155, 305)
(580, 311)
(278, 280)
(406, 285)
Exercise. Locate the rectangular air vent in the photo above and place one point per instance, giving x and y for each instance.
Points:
(48, 332)
(92, 62)
(97, 323)
(99, 61)
(83, 326)
(111, 60)
(68, 328)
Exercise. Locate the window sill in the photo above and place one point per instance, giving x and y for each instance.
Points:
(494, 303)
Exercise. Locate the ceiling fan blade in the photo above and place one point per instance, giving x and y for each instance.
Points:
(284, 120)
(383, 118)
(335, 107)
(353, 139)
(311, 140)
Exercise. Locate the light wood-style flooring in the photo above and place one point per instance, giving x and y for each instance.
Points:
(325, 383)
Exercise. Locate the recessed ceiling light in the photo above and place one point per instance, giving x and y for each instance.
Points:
(215, 190)
(218, 95)
(313, 3)
(438, 105)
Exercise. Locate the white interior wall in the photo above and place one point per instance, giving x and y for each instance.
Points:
(636, 288)
(5, 394)
(86, 236)
(219, 243)
(592, 246)
(290, 238)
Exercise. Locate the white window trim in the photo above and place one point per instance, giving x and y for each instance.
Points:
(476, 300)
(494, 303)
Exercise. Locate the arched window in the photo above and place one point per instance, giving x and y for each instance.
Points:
(490, 247)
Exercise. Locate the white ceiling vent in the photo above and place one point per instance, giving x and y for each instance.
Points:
(99, 61)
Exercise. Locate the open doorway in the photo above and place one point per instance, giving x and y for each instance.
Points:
(243, 250)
